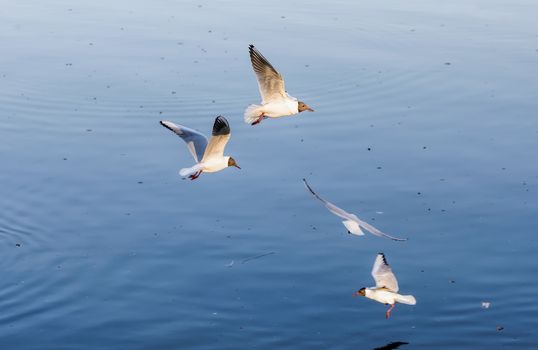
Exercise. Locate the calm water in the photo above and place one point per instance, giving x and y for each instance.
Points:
(425, 125)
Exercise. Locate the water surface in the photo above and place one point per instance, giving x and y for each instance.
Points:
(425, 125)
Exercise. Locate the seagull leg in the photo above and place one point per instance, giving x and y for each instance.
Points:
(387, 314)
(259, 120)
(195, 175)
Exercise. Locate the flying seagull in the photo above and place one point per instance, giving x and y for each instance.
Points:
(386, 286)
(209, 157)
(352, 223)
(275, 100)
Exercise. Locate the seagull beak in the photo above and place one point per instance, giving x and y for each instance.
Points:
(356, 294)
(237, 166)
(310, 109)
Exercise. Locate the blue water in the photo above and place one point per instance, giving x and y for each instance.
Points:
(425, 126)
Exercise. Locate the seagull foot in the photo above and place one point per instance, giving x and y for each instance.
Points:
(387, 314)
(195, 176)
(259, 120)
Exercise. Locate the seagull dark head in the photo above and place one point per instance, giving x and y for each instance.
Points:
(304, 107)
(231, 162)
(361, 292)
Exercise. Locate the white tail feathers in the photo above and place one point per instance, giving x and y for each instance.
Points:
(353, 227)
(406, 299)
(190, 171)
(252, 113)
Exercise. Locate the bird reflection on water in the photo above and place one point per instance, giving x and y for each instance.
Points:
(392, 345)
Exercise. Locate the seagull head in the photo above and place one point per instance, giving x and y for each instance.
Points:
(361, 292)
(304, 107)
(231, 162)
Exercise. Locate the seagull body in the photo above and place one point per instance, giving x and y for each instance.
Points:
(352, 223)
(386, 286)
(209, 157)
(275, 100)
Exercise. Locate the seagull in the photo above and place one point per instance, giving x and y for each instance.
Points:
(386, 286)
(209, 157)
(275, 100)
(352, 223)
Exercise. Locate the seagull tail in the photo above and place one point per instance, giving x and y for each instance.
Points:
(252, 113)
(353, 227)
(190, 171)
(406, 299)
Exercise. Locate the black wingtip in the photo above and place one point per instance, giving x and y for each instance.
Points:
(384, 258)
(221, 126)
(309, 188)
(166, 126)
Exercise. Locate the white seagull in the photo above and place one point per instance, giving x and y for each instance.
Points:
(352, 223)
(275, 100)
(209, 157)
(386, 286)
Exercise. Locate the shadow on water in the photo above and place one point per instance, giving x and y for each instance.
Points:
(392, 345)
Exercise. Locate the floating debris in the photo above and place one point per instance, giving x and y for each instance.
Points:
(256, 257)
(485, 305)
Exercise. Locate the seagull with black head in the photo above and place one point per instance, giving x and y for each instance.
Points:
(209, 157)
(275, 100)
(386, 286)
